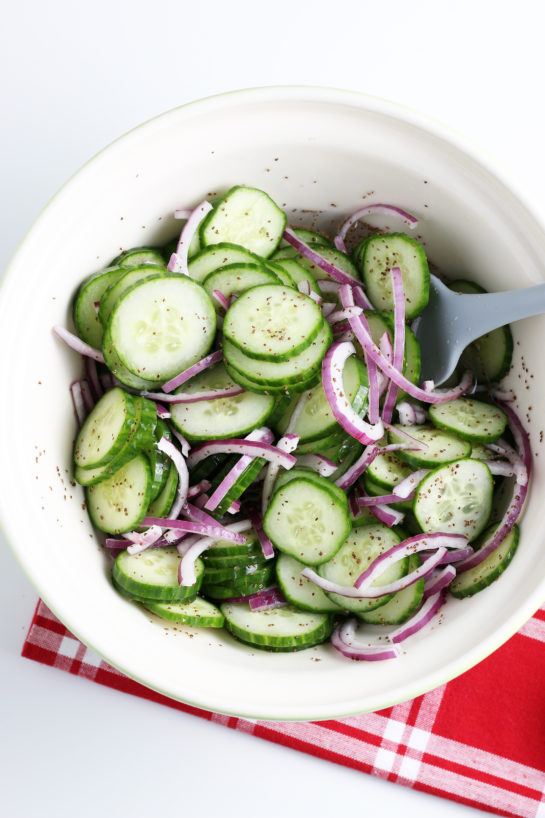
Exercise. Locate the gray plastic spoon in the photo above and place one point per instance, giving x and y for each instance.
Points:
(451, 321)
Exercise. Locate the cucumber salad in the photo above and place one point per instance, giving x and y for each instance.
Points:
(254, 442)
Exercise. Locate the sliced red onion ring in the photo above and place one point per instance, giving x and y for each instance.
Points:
(78, 345)
(178, 260)
(304, 287)
(504, 395)
(190, 372)
(438, 580)
(389, 210)
(195, 397)
(182, 213)
(407, 487)
(332, 379)
(184, 444)
(499, 468)
(414, 443)
(267, 599)
(92, 377)
(198, 488)
(329, 287)
(178, 459)
(315, 258)
(81, 394)
(257, 523)
(519, 469)
(107, 381)
(437, 396)
(186, 569)
(346, 293)
(234, 508)
(217, 532)
(288, 444)
(162, 411)
(399, 341)
(409, 414)
(328, 308)
(237, 446)
(369, 500)
(420, 542)
(514, 508)
(344, 639)
(342, 315)
(361, 298)
(140, 542)
(388, 516)
(366, 458)
(263, 436)
(248, 597)
(318, 463)
(221, 299)
(426, 613)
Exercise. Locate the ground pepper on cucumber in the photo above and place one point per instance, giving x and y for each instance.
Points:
(254, 441)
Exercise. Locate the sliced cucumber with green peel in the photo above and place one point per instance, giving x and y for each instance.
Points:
(161, 505)
(387, 470)
(470, 419)
(276, 390)
(333, 256)
(300, 368)
(317, 420)
(297, 273)
(225, 548)
(162, 325)
(443, 447)
(234, 573)
(235, 279)
(252, 557)
(129, 277)
(455, 499)
(137, 256)
(219, 255)
(119, 503)
(278, 629)
(376, 490)
(119, 370)
(490, 356)
(219, 417)
(243, 481)
(153, 575)
(376, 256)
(106, 429)
(280, 273)
(245, 216)
(363, 545)
(299, 590)
(320, 445)
(272, 322)
(200, 613)
(247, 587)
(309, 237)
(307, 520)
(402, 605)
(159, 462)
(85, 313)
(468, 583)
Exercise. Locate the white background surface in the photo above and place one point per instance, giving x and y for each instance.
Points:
(74, 77)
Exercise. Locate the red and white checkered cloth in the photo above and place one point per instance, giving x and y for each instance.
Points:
(479, 739)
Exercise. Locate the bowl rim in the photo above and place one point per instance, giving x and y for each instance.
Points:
(444, 132)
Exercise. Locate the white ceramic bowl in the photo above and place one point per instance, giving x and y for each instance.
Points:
(311, 149)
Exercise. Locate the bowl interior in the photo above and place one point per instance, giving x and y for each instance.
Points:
(320, 154)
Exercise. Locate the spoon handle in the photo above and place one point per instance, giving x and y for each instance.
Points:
(487, 311)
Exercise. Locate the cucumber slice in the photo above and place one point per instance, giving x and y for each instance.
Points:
(242, 587)
(468, 583)
(216, 256)
(299, 368)
(300, 472)
(199, 613)
(252, 557)
(470, 419)
(105, 430)
(375, 490)
(455, 499)
(317, 420)
(86, 320)
(299, 590)
(363, 545)
(277, 390)
(402, 605)
(490, 356)
(219, 417)
(379, 323)
(207, 468)
(309, 237)
(119, 503)
(321, 445)
(162, 325)
(279, 629)
(297, 273)
(307, 520)
(245, 216)
(153, 575)
(137, 256)
(243, 481)
(235, 279)
(387, 470)
(161, 505)
(443, 447)
(377, 255)
(118, 369)
(225, 548)
(332, 255)
(282, 404)
(159, 462)
(128, 278)
(272, 322)
(233, 574)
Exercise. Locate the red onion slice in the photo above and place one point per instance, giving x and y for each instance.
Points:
(221, 299)
(92, 377)
(399, 341)
(195, 397)
(288, 444)
(318, 463)
(186, 569)
(438, 580)
(77, 344)
(344, 639)
(332, 380)
(217, 532)
(257, 523)
(328, 308)
(409, 414)
(182, 213)
(426, 613)
(184, 444)
(237, 446)
(388, 516)
(342, 315)
(190, 372)
(267, 599)
(178, 260)
(304, 287)
(162, 411)
(198, 488)
(369, 210)
(263, 436)
(366, 458)
(315, 258)
(78, 390)
(140, 542)
(407, 487)
(178, 459)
